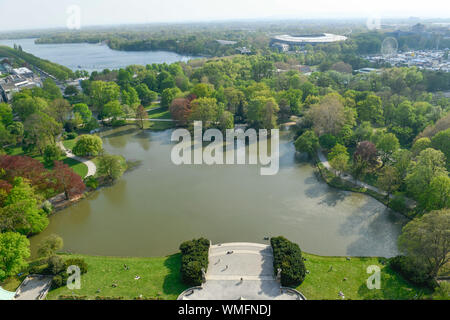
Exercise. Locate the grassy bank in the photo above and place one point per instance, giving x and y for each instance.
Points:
(326, 278)
(107, 277)
(160, 279)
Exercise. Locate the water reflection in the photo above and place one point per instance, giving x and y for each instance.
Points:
(154, 207)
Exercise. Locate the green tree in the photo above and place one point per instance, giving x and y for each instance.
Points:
(205, 110)
(262, 112)
(113, 109)
(111, 166)
(430, 163)
(426, 240)
(437, 196)
(370, 109)
(50, 245)
(420, 145)
(389, 180)
(52, 152)
(14, 250)
(386, 146)
(83, 110)
(141, 114)
(20, 212)
(441, 141)
(307, 142)
(88, 145)
(168, 95)
(340, 162)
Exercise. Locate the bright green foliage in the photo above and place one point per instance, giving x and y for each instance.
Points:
(14, 250)
(88, 145)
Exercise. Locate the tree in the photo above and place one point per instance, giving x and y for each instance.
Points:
(113, 109)
(20, 212)
(102, 92)
(60, 110)
(430, 163)
(88, 145)
(14, 250)
(330, 115)
(83, 110)
(437, 196)
(52, 152)
(146, 95)
(180, 109)
(50, 245)
(261, 112)
(202, 90)
(70, 90)
(338, 149)
(387, 145)
(401, 161)
(389, 180)
(111, 166)
(364, 157)
(426, 240)
(141, 114)
(6, 114)
(67, 180)
(205, 110)
(168, 95)
(307, 142)
(370, 109)
(340, 162)
(441, 141)
(41, 130)
(420, 145)
(327, 141)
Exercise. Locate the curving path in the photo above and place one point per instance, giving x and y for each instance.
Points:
(345, 176)
(92, 168)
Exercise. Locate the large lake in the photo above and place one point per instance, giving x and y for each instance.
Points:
(93, 57)
(156, 206)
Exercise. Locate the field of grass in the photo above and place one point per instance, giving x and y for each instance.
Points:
(69, 144)
(159, 278)
(158, 113)
(326, 278)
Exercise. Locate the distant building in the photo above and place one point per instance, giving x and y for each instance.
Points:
(311, 39)
(282, 47)
(244, 50)
(23, 72)
(14, 83)
(226, 42)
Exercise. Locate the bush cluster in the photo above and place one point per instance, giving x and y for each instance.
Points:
(194, 257)
(58, 267)
(412, 271)
(288, 257)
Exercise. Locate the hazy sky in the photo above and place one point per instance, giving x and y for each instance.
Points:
(35, 14)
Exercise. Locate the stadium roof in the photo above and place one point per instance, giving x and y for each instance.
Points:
(304, 39)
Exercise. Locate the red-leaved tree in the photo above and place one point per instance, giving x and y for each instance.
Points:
(67, 181)
(180, 109)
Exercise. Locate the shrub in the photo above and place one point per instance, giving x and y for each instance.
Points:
(91, 182)
(47, 207)
(398, 203)
(88, 145)
(77, 262)
(288, 257)
(56, 265)
(71, 135)
(194, 258)
(52, 152)
(57, 282)
(411, 271)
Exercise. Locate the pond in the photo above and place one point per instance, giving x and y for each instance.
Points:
(93, 57)
(157, 205)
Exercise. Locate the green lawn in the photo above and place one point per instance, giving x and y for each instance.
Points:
(159, 113)
(69, 144)
(160, 278)
(324, 282)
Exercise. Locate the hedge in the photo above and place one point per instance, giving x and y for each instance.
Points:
(194, 257)
(287, 256)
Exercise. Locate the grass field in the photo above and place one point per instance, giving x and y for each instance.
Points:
(326, 279)
(160, 278)
(158, 113)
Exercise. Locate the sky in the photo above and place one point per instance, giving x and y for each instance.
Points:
(39, 14)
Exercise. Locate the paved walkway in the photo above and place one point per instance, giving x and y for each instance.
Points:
(240, 271)
(349, 178)
(34, 287)
(92, 168)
